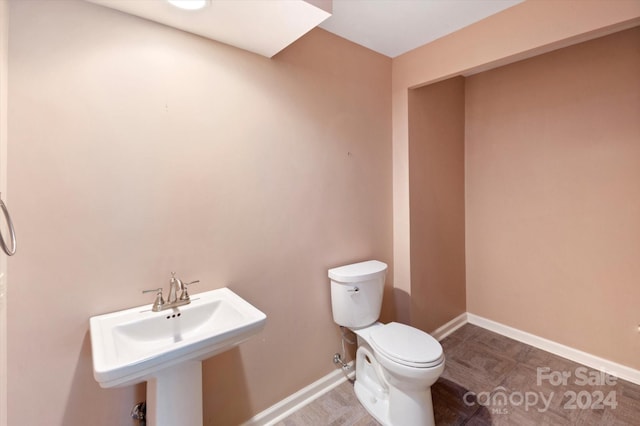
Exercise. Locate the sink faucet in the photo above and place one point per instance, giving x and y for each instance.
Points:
(175, 285)
(173, 300)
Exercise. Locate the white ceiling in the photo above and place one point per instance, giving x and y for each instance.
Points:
(261, 26)
(393, 27)
(390, 27)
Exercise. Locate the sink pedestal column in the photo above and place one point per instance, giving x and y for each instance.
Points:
(174, 396)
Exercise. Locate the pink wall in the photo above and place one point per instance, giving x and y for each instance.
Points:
(525, 30)
(436, 178)
(4, 53)
(553, 196)
(551, 173)
(136, 150)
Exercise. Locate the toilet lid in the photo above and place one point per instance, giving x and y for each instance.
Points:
(407, 345)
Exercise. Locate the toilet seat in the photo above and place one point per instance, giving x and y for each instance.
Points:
(407, 345)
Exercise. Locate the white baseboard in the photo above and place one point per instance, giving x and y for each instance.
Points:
(445, 330)
(294, 402)
(304, 396)
(595, 362)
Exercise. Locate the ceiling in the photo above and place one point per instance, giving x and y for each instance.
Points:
(261, 26)
(393, 27)
(390, 27)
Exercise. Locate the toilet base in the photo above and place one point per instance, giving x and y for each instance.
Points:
(386, 403)
(377, 407)
(409, 410)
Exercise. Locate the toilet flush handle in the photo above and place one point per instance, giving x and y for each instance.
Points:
(354, 289)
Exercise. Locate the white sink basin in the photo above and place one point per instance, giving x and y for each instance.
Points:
(132, 345)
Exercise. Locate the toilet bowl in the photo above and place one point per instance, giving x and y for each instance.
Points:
(396, 364)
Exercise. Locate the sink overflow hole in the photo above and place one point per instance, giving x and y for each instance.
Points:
(173, 316)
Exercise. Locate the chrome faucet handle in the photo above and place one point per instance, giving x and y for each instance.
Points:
(185, 293)
(159, 301)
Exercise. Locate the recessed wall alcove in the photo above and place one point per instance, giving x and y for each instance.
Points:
(524, 186)
(436, 182)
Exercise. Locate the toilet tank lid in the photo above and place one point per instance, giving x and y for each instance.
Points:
(358, 271)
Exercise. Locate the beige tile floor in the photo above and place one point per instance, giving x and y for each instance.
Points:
(481, 365)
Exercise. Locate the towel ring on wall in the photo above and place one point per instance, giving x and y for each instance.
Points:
(12, 233)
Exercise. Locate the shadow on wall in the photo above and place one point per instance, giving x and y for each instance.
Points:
(225, 394)
(410, 310)
(224, 388)
(401, 306)
(115, 408)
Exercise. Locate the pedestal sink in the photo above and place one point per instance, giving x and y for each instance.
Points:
(166, 350)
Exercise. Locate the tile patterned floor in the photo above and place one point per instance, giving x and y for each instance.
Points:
(490, 379)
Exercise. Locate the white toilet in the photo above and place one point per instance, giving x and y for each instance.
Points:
(395, 364)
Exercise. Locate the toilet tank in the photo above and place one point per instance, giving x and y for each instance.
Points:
(356, 293)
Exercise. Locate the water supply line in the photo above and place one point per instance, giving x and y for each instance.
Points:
(341, 359)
